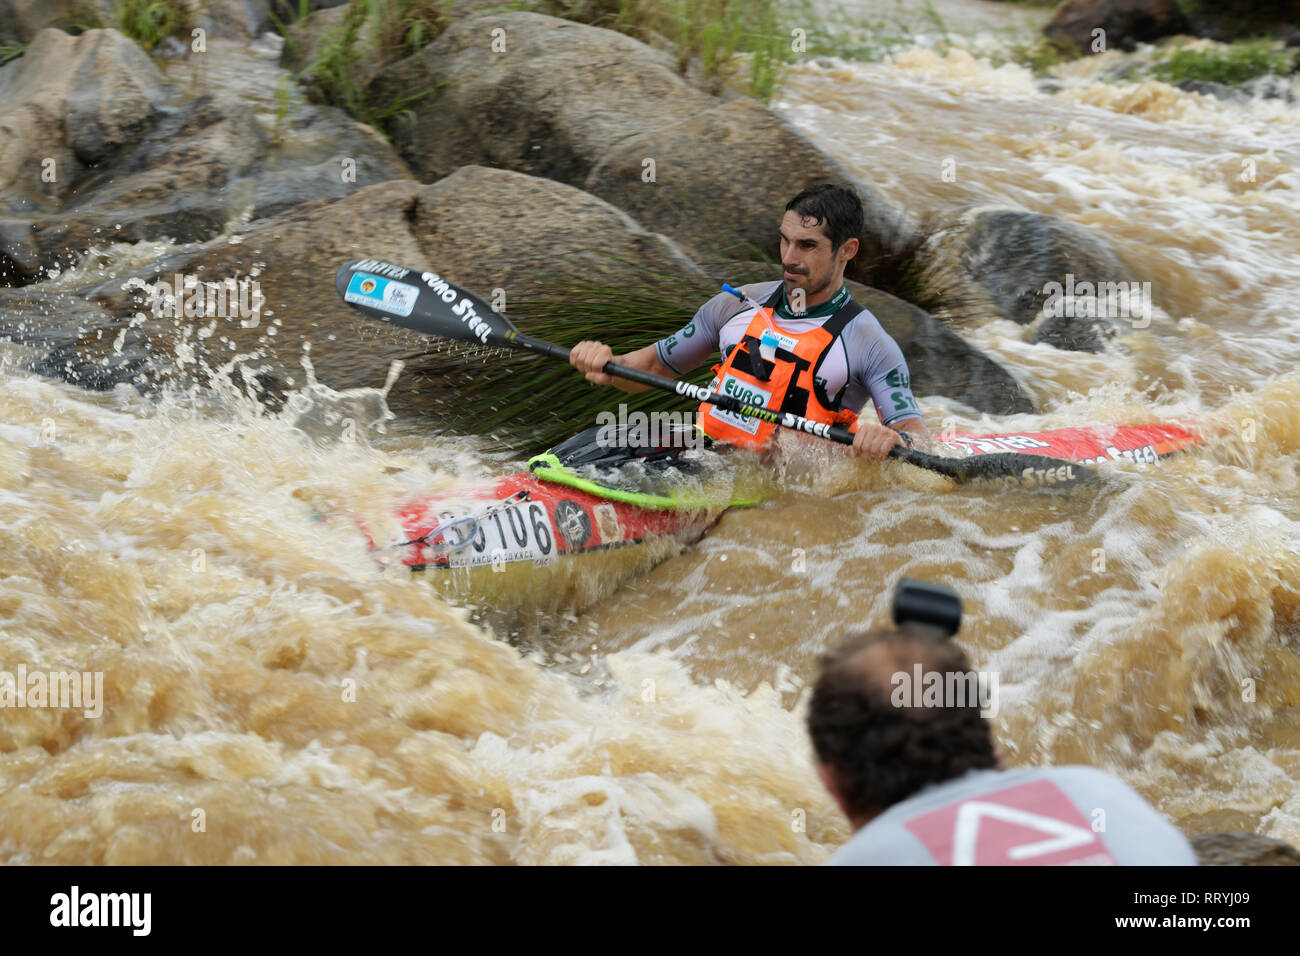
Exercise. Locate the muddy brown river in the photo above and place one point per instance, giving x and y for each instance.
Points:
(271, 695)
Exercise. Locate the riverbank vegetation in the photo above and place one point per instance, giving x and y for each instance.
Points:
(1227, 63)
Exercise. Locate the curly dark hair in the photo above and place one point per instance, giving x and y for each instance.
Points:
(882, 753)
(836, 209)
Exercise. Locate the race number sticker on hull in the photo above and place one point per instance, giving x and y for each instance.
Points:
(386, 295)
(520, 532)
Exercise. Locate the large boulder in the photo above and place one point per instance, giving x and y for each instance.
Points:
(1125, 23)
(722, 179)
(66, 104)
(74, 100)
(137, 161)
(532, 93)
(321, 153)
(599, 110)
(292, 257)
(1028, 267)
(482, 228)
(486, 229)
(1128, 22)
(492, 228)
(173, 184)
(238, 19)
(21, 20)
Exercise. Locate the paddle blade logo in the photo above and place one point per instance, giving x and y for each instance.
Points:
(386, 295)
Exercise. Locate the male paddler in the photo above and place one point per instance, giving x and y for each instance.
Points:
(810, 349)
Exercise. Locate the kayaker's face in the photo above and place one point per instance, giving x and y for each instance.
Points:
(807, 261)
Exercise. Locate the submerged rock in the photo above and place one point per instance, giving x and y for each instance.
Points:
(1243, 849)
(940, 361)
(1125, 23)
(1030, 268)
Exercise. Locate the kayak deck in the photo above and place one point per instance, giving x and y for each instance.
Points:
(575, 501)
(524, 518)
(1093, 445)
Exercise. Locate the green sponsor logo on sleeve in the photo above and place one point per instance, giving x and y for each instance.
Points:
(898, 379)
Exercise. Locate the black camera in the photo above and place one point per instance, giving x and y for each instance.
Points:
(929, 605)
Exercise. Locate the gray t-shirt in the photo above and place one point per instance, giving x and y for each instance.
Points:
(1032, 816)
(865, 364)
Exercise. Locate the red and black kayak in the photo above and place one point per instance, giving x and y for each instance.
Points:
(580, 497)
(589, 493)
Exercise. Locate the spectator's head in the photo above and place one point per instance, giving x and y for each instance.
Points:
(874, 746)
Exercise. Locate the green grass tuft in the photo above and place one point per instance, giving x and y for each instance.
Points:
(374, 34)
(711, 33)
(1040, 56)
(149, 22)
(528, 403)
(1229, 64)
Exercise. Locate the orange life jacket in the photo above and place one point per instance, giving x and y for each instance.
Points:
(785, 383)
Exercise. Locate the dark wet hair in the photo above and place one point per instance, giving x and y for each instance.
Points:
(836, 209)
(882, 753)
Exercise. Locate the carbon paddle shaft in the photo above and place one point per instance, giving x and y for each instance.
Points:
(1027, 471)
(836, 433)
(427, 303)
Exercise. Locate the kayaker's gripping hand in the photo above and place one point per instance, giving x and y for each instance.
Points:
(874, 441)
(590, 357)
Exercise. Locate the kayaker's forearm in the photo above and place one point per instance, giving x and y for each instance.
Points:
(590, 357)
(916, 428)
(643, 360)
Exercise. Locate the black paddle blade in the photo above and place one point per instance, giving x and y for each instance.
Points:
(420, 301)
(1005, 468)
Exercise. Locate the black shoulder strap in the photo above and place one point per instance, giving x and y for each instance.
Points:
(845, 314)
(774, 300)
(835, 325)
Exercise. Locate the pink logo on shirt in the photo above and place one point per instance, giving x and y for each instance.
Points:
(1032, 824)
